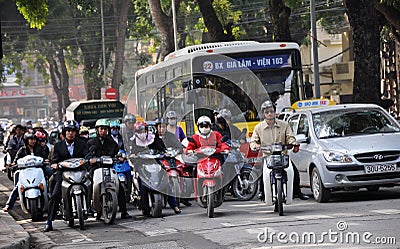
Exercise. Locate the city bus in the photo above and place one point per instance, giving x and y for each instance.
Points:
(201, 79)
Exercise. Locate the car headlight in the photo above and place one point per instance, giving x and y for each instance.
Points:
(337, 157)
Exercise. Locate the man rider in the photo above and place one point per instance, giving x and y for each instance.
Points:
(104, 145)
(127, 130)
(272, 130)
(115, 128)
(70, 147)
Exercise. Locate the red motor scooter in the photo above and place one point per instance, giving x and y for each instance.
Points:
(175, 172)
(208, 187)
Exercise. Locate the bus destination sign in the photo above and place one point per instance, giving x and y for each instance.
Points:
(252, 63)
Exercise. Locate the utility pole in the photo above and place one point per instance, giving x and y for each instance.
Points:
(174, 24)
(315, 49)
(103, 42)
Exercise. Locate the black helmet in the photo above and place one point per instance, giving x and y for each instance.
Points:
(160, 121)
(130, 118)
(29, 136)
(70, 125)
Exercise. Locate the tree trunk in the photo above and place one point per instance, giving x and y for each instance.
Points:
(391, 14)
(280, 14)
(214, 26)
(164, 25)
(366, 23)
(121, 17)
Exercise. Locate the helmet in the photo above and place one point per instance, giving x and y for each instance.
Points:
(70, 125)
(83, 129)
(226, 114)
(114, 123)
(37, 125)
(41, 136)
(102, 122)
(130, 118)
(139, 126)
(29, 136)
(204, 120)
(268, 104)
(171, 114)
(160, 121)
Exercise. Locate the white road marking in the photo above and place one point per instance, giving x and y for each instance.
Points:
(314, 217)
(161, 232)
(229, 224)
(386, 211)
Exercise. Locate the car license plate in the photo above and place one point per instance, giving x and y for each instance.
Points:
(380, 168)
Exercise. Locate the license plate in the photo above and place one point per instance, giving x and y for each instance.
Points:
(380, 168)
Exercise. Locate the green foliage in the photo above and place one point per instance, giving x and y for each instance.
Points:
(35, 12)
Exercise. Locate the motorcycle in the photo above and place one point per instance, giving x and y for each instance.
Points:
(74, 189)
(32, 186)
(105, 189)
(175, 172)
(123, 169)
(243, 184)
(278, 176)
(154, 182)
(208, 187)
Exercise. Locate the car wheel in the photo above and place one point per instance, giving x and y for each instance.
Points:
(321, 194)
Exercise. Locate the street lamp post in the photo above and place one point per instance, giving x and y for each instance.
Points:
(315, 49)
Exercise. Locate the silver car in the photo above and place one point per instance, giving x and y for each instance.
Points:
(346, 147)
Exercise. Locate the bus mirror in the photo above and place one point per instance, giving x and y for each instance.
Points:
(185, 84)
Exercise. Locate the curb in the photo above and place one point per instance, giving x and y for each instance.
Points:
(12, 235)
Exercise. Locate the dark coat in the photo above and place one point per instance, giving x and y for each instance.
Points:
(37, 151)
(61, 152)
(105, 147)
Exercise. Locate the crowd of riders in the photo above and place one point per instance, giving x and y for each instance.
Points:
(133, 137)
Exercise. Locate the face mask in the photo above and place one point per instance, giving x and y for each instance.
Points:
(85, 136)
(114, 132)
(141, 136)
(172, 122)
(205, 130)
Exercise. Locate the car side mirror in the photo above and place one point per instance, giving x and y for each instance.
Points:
(301, 138)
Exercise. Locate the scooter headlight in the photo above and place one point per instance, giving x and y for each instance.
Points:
(218, 172)
(201, 173)
(152, 168)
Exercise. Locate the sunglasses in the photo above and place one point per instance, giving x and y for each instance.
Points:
(269, 111)
(204, 125)
(172, 118)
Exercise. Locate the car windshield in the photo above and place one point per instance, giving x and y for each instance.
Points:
(352, 122)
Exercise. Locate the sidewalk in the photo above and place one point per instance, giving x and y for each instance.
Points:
(12, 235)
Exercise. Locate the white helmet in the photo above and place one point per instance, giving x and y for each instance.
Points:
(204, 120)
(204, 125)
(226, 114)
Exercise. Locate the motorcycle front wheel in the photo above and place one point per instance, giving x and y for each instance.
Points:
(109, 206)
(79, 211)
(210, 202)
(249, 187)
(157, 205)
(33, 206)
(279, 197)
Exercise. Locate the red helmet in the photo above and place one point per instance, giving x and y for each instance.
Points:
(139, 126)
(41, 136)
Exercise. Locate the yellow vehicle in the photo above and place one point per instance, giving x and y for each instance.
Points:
(238, 76)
